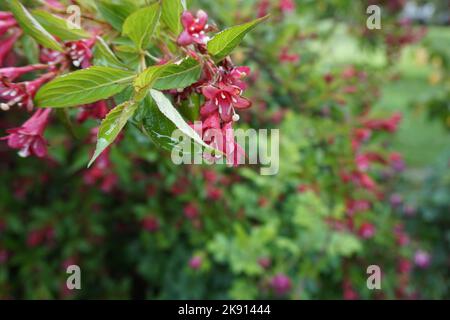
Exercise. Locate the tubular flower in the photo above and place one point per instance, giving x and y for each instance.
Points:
(7, 44)
(7, 21)
(29, 137)
(21, 93)
(12, 73)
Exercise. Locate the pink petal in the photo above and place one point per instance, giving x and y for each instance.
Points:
(240, 72)
(210, 92)
(202, 17)
(199, 38)
(212, 121)
(241, 103)
(39, 147)
(185, 39)
(187, 19)
(15, 141)
(225, 113)
(239, 155)
(208, 108)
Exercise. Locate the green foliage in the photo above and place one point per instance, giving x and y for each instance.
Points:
(59, 27)
(112, 125)
(223, 43)
(179, 75)
(141, 24)
(171, 12)
(83, 86)
(248, 228)
(32, 27)
(115, 12)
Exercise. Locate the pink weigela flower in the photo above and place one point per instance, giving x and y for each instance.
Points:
(7, 21)
(29, 137)
(22, 93)
(80, 52)
(195, 28)
(225, 99)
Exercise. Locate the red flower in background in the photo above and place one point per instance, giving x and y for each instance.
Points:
(29, 137)
(348, 291)
(389, 124)
(356, 206)
(150, 223)
(287, 6)
(287, 57)
(262, 8)
(191, 211)
(265, 262)
(281, 284)
(364, 160)
(97, 110)
(360, 135)
(396, 161)
(195, 28)
(422, 259)
(101, 173)
(366, 230)
(195, 262)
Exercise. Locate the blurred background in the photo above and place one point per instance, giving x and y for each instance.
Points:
(364, 119)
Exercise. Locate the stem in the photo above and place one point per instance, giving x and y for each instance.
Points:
(148, 54)
(143, 65)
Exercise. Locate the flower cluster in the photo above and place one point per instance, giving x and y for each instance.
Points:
(29, 138)
(221, 85)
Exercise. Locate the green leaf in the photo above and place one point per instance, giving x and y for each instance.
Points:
(140, 25)
(146, 79)
(59, 27)
(155, 125)
(116, 12)
(32, 27)
(104, 56)
(171, 15)
(111, 126)
(190, 108)
(30, 49)
(83, 86)
(180, 75)
(225, 41)
(168, 110)
(64, 117)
